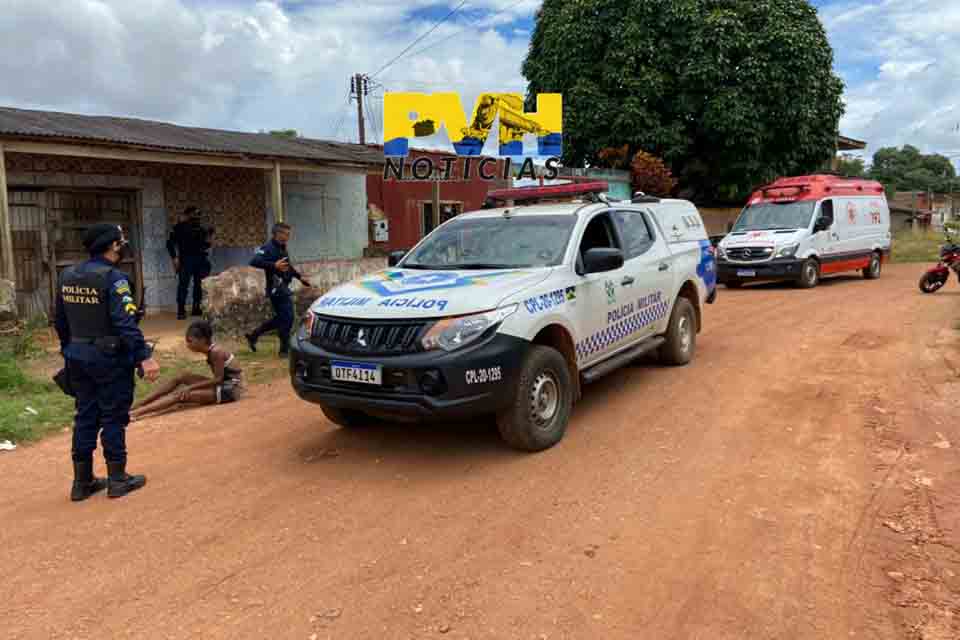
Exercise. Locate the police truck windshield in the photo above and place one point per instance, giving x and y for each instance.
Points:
(494, 243)
(771, 215)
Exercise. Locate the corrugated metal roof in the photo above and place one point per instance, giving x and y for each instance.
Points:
(845, 143)
(23, 123)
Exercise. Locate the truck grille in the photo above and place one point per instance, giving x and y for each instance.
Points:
(750, 254)
(341, 335)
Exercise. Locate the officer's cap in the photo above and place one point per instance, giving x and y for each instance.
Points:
(100, 236)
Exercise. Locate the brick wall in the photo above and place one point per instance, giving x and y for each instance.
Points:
(234, 200)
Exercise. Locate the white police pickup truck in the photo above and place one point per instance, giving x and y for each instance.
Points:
(508, 312)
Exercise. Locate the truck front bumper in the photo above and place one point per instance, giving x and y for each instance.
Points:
(433, 385)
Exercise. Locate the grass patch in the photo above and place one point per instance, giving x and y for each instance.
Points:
(922, 246)
(32, 406)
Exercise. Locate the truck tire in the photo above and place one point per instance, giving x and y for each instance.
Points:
(537, 417)
(681, 335)
(809, 274)
(346, 418)
(872, 270)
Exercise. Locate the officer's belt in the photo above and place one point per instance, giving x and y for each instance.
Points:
(97, 341)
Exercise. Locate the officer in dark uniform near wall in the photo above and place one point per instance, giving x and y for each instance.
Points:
(275, 262)
(188, 245)
(96, 321)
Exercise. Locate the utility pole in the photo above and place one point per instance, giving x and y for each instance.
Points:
(359, 87)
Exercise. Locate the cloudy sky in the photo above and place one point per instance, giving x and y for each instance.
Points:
(249, 65)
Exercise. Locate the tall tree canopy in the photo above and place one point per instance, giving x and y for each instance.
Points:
(730, 93)
(907, 169)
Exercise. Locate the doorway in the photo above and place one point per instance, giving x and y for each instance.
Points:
(48, 228)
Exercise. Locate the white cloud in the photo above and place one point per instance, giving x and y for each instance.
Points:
(248, 67)
(906, 62)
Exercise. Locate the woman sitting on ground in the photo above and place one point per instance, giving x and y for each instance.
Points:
(225, 386)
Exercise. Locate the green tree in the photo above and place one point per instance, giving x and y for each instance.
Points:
(907, 169)
(283, 133)
(851, 167)
(730, 93)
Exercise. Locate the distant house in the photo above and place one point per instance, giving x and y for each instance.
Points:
(61, 173)
(413, 208)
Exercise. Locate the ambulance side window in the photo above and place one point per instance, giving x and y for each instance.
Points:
(826, 212)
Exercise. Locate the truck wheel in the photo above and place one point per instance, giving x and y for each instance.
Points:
(809, 274)
(346, 418)
(537, 418)
(872, 271)
(681, 335)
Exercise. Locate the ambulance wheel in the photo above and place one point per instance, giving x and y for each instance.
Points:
(872, 271)
(537, 417)
(809, 274)
(681, 335)
(346, 418)
(733, 284)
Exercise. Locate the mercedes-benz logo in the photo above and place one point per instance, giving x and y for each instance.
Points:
(360, 340)
(747, 253)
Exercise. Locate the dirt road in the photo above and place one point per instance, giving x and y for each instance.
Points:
(798, 480)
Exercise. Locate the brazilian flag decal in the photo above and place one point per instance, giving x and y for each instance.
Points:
(571, 293)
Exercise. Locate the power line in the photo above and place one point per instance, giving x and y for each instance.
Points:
(431, 30)
(458, 32)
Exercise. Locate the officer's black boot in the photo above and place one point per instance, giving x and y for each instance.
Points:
(197, 312)
(252, 340)
(119, 482)
(181, 313)
(85, 484)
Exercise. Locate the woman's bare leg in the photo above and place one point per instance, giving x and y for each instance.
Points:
(203, 396)
(167, 389)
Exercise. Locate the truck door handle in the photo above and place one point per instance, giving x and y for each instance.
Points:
(626, 280)
(664, 266)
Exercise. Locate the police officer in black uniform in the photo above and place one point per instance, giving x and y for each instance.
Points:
(96, 321)
(275, 262)
(188, 245)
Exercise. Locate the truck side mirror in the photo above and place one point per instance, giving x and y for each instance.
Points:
(822, 224)
(602, 259)
(394, 258)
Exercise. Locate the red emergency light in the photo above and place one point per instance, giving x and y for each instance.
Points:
(526, 194)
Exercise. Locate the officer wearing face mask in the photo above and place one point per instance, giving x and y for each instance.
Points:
(96, 321)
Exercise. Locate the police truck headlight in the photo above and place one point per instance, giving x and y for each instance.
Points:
(788, 251)
(306, 326)
(453, 333)
(721, 253)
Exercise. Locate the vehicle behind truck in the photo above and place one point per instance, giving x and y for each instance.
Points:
(509, 312)
(800, 229)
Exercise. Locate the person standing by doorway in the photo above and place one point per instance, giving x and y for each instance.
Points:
(275, 262)
(188, 245)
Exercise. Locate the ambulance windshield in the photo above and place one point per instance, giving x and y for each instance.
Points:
(495, 243)
(774, 215)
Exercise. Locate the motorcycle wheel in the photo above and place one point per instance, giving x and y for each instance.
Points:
(930, 283)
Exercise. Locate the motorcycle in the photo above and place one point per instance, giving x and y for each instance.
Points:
(937, 276)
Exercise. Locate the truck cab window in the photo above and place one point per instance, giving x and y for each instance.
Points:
(598, 235)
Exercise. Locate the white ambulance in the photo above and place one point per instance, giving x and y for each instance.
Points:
(803, 228)
(509, 311)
